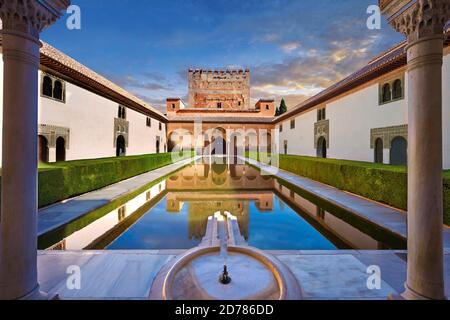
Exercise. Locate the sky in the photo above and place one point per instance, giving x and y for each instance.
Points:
(293, 48)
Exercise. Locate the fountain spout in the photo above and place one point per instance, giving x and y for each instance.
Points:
(224, 277)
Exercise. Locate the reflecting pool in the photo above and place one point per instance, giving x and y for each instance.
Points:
(272, 215)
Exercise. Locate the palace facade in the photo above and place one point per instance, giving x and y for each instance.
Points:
(364, 117)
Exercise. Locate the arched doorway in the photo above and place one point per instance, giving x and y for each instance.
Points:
(322, 148)
(378, 156)
(399, 152)
(218, 143)
(60, 149)
(120, 146)
(157, 145)
(42, 149)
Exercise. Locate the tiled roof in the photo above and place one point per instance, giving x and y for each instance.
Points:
(57, 61)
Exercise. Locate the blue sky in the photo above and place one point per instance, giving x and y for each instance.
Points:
(294, 48)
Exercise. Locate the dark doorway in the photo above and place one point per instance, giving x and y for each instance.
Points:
(399, 152)
(378, 151)
(60, 149)
(157, 145)
(322, 148)
(120, 146)
(219, 146)
(42, 149)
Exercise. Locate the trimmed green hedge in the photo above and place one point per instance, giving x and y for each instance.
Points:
(64, 180)
(379, 182)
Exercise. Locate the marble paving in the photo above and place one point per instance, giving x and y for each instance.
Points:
(387, 217)
(323, 275)
(57, 215)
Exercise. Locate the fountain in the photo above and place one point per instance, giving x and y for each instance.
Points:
(223, 267)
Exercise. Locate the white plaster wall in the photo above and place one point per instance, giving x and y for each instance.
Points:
(301, 139)
(90, 118)
(353, 116)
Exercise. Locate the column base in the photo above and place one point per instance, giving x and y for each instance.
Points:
(410, 294)
(39, 295)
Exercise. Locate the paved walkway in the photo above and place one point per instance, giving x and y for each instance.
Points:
(130, 274)
(387, 217)
(62, 213)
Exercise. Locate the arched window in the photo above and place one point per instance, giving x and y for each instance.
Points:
(60, 149)
(119, 112)
(58, 90)
(42, 149)
(378, 151)
(387, 93)
(322, 148)
(124, 113)
(47, 87)
(399, 152)
(120, 146)
(397, 90)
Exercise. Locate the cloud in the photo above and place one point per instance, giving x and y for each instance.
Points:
(289, 47)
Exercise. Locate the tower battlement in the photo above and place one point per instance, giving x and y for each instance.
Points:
(219, 89)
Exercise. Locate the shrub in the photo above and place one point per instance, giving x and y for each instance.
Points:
(64, 180)
(383, 183)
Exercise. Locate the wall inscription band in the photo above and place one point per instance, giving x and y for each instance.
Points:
(388, 134)
(52, 133)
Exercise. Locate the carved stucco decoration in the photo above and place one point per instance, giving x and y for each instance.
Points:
(30, 16)
(121, 128)
(322, 129)
(418, 19)
(52, 133)
(388, 134)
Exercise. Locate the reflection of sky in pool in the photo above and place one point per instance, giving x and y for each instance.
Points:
(278, 229)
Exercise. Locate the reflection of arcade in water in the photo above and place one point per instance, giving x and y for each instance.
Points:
(209, 188)
(218, 176)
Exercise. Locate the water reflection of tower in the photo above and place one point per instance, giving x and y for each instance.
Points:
(199, 211)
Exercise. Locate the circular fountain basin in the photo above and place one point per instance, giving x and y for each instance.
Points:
(255, 275)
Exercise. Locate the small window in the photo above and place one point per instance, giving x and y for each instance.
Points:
(219, 105)
(122, 113)
(386, 96)
(53, 88)
(47, 87)
(58, 90)
(267, 107)
(293, 124)
(149, 122)
(281, 128)
(321, 114)
(239, 103)
(173, 106)
(160, 126)
(397, 90)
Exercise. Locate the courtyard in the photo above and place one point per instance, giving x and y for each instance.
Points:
(207, 186)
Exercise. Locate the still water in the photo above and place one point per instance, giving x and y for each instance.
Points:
(173, 215)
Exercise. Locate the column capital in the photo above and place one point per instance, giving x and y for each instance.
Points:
(30, 17)
(417, 19)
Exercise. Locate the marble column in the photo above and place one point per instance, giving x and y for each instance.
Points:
(422, 21)
(22, 21)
